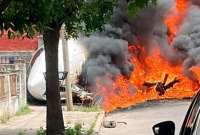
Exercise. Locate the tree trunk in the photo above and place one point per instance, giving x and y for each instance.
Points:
(55, 123)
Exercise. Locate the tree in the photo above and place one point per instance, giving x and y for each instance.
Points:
(25, 18)
(4, 4)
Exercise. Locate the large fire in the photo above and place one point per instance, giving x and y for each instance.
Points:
(175, 17)
(120, 94)
(152, 69)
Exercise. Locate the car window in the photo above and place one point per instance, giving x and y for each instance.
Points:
(192, 119)
(197, 126)
(194, 116)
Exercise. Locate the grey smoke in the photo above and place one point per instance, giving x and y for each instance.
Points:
(106, 57)
(187, 43)
(108, 54)
(152, 31)
(144, 25)
(121, 25)
(125, 27)
(196, 2)
(108, 51)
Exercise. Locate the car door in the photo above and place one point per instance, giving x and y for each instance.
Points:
(197, 125)
(191, 124)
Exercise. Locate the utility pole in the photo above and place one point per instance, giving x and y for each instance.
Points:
(69, 100)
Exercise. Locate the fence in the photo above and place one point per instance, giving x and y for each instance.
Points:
(2, 88)
(12, 88)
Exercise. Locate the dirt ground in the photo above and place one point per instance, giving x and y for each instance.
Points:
(140, 119)
(30, 123)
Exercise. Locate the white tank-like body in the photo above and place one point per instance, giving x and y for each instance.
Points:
(36, 77)
(36, 83)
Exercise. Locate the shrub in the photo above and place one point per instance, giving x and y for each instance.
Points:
(76, 130)
(23, 110)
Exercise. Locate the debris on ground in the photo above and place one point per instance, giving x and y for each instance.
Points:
(81, 96)
(109, 124)
(112, 124)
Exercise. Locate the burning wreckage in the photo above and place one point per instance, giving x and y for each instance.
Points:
(161, 87)
(153, 55)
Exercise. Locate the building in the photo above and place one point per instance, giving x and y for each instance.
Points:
(18, 48)
(15, 55)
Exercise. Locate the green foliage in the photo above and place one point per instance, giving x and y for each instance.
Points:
(95, 13)
(26, 18)
(41, 131)
(74, 131)
(88, 108)
(136, 5)
(23, 111)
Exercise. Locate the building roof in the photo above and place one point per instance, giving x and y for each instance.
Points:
(18, 44)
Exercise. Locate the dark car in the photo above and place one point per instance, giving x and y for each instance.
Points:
(191, 123)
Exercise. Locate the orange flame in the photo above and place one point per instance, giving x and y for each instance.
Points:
(124, 92)
(120, 95)
(175, 18)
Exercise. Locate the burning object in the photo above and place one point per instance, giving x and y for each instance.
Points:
(166, 40)
(162, 87)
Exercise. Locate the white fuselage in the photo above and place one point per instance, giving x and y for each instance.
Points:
(36, 79)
